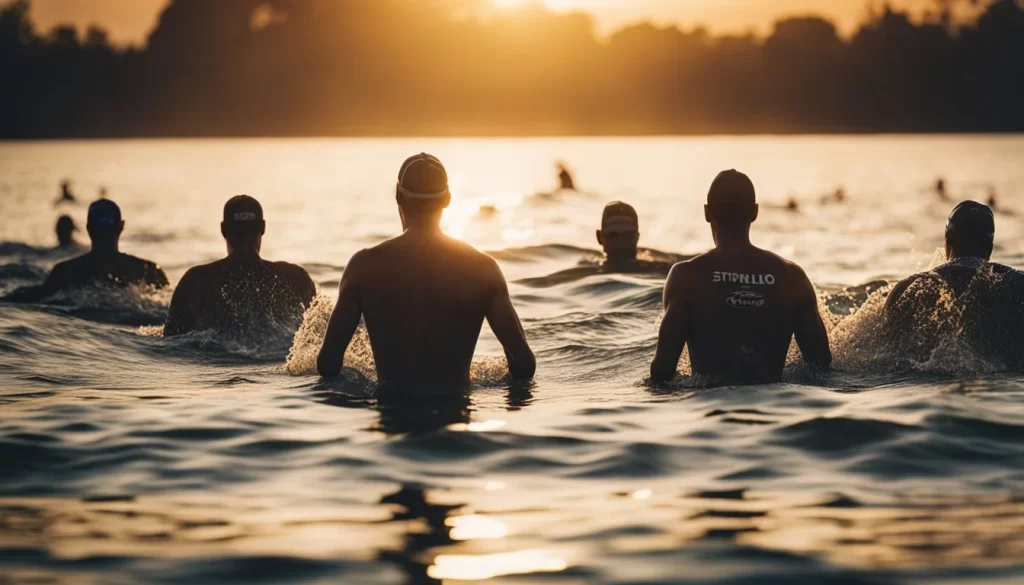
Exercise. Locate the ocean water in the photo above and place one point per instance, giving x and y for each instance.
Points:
(127, 458)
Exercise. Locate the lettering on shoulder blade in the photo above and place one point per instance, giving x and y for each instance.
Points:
(744, 279)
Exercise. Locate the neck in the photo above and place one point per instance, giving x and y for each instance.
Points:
(244, 253)
(425, 226)
(732, 238)
(104, 248)
(620, 257)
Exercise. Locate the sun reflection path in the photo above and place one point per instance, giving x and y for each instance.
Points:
(480, 567)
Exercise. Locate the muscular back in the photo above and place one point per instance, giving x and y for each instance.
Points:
(231, 295)
(738, 311)
(424, 298)
(424, 307)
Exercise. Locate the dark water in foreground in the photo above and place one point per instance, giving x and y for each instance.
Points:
(126, 458)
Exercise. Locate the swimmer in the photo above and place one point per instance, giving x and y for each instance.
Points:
(792, 205)
(66, 196)
(619, 236)
(241, 292)
(993, 199)
(104, 264)
(737, 307)
(565, 178)
(940, 189)
(66, 229)
(424, 297)
(103, 193)
(837, 196)
(996, 290)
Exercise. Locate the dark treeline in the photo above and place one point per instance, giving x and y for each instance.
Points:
(409, 67)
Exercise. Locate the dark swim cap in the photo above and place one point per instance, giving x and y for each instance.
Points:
(619, 215)
(423, 177)
(732, 195)
(104, 214)
(243, 216)
(66, 224)
(971, 220)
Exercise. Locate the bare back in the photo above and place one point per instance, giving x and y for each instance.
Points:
(424, 298)
(737, 311)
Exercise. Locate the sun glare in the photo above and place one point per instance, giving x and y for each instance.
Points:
(508, 4)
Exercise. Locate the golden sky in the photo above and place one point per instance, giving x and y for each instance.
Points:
(131, 20)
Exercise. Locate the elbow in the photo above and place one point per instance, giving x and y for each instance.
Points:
(326, 367)
(524, 367)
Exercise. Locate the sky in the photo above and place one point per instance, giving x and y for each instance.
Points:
(129, 21)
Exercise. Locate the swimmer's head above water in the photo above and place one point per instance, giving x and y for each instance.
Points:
(243, 225)
(66, 229)
(732, 204)
(620, 232)
(970, 231)
(422, 192)
(104, 225)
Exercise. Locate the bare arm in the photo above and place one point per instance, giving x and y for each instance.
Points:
(55, 281)
(155, 276)
(181, 317)
(674, 326)
(811, 336)
(504, 322)
(343, 323)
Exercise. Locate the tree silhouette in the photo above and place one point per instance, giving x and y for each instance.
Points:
(416, 67)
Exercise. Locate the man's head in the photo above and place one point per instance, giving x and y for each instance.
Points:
(104, 224)
(620, 231)
(732, 203)
(970, 231)
(243, 225)
(422, 192)
(65, 230)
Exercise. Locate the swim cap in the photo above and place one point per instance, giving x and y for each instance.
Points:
(731, 192)
(423, 177)
(242, 210)
(972, 220)
(66, 224)
(619, 216)
(104, 214)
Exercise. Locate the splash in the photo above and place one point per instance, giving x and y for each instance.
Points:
(310, 336)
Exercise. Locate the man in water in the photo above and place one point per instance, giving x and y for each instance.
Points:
(985, 297)
(424, 297)
(66, 196)
(103, 265)
(565, 178)
(619, 236)
(737, 307)
(242, 292)
(66, 229)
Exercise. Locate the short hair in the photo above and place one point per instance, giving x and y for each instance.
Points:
(731, 198)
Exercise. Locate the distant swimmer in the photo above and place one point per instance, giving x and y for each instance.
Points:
(103, 193)
(103, 265)
(66, 229)
(424, 297)
(243, 292)
(619, 236)
(737, 307)
(940, 189)
(66, 196)
(988, 295)
(837, 196)
(792, 205)
(565, 178)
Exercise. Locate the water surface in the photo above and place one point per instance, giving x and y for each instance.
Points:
(127, 458)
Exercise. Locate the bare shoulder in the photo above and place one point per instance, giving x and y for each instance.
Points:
(289, 270)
